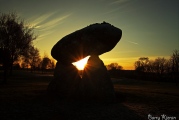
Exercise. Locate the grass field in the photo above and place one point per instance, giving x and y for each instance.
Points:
(145, 97)
(24, 97)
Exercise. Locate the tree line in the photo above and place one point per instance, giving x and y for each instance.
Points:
(161, 68)
(160, 65)
(33, 61)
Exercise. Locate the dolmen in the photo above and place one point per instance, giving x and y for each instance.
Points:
(95, 84)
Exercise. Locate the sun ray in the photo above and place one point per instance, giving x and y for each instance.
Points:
(81, 63)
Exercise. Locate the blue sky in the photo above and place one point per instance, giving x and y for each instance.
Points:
(150, 27)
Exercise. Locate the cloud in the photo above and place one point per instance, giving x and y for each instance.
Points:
(118, 2)
(41, 36)
(45, 24)
(37, 20)
(53, 22)
(117, 5)
(133, 42)
(111, 11)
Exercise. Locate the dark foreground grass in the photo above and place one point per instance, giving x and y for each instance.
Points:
(24, 97)
(152, 98)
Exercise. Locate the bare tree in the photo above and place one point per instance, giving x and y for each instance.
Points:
(175, 65)
(24, 64)
(15, 36)
(142, 64)
(32, 57)
(45, 63)
(159, 65)
(175, 61)
(149, 66)
(114, 66)
(168, 66)
(52, 66)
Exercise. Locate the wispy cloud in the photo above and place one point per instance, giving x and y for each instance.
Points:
(111, 11)
(35, 21)
(118, 2)
(133, 42)
(54, 22)
(116, 5)
(41, 36)
(45, 24)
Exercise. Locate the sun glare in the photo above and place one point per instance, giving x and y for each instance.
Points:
(81, 63)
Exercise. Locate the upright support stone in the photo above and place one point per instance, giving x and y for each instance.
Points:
(97, 83)
(66, 81)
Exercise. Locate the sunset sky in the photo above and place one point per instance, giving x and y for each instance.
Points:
(150, 27)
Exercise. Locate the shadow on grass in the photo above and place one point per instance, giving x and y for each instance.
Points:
(145, 97)
(25, 98)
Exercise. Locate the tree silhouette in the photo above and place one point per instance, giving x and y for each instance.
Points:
(159, 65)
(175, 61)
(175, 65)
(52, 65)
(15, 36)
(141, 64)
(32, 57)
(45, 63)
(114, 66)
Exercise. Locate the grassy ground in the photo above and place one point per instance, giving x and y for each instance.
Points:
(25, 98)
(146, 97)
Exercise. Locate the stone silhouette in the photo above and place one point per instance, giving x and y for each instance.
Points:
(66, 81)
(95, 84)
(93, 39)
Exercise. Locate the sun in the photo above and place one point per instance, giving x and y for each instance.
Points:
(81, 63)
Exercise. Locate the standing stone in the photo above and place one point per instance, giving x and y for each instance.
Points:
(97, 83)
(66, 81)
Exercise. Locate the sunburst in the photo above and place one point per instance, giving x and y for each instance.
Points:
(81, 63)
